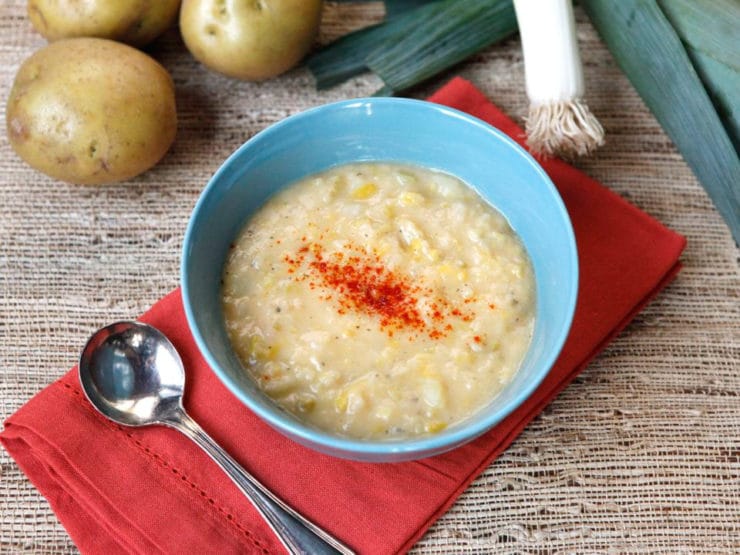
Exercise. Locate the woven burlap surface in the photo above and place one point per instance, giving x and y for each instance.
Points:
(641, 454)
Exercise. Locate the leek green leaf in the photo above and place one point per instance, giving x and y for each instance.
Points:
(709, 26)
(723, 84)
(651, 54)
(395, 7)
(450, 32)
(710, 29)
(345, 57)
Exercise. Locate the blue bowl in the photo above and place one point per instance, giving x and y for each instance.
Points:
(382, 129)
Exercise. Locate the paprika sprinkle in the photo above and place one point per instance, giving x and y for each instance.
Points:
(359, 281)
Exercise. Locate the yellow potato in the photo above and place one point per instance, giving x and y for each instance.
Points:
(91, 111)
(136, 22)
(249, 39)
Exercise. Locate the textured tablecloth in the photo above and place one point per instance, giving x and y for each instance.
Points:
(641, 454)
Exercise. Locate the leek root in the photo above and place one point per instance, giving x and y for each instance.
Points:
(559, 121)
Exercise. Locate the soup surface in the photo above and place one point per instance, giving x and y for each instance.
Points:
(379, 301)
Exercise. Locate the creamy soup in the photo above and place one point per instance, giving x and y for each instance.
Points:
(379, 301)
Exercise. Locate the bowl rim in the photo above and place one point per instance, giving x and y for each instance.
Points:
(346, 446)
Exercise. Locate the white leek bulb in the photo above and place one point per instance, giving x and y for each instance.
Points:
(559, 121)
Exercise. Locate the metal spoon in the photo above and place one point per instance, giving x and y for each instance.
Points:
(133, 375)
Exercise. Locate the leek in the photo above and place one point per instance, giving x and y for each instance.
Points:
(395, 7)
(710, 29)
(723, 85)
(450, 32)
(392, 7)
(559, 121)
(651, 54)
(415, 44)
(345, 57)
(710, 26)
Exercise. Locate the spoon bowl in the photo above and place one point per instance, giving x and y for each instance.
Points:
(133, 375)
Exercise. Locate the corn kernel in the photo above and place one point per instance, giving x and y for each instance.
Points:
(446, 269)
(364, 192)
(340, 402)
(434, 427)
(384, 412)
(421, 248)
(410, 199)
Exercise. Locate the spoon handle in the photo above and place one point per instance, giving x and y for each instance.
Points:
(298, 535)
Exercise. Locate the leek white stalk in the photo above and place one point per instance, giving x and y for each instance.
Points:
(559, 121)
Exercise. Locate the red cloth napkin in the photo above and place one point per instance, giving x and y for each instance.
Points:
(150, 490)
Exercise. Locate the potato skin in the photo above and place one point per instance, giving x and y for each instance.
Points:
(249, 39)
(135, 22)
(91, 111)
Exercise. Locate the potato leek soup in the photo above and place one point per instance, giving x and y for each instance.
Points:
(379, 301)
